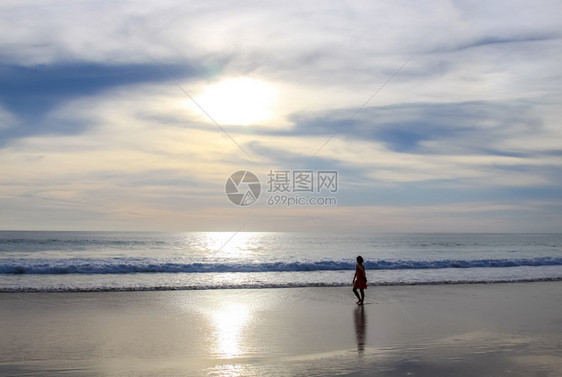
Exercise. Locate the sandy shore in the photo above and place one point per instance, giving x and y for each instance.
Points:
(455, 330)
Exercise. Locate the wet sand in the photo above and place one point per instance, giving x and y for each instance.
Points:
(450, 330)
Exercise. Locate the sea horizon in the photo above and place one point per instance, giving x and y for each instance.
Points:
(109, 261)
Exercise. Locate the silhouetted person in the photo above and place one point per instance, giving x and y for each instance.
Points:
(360, 280)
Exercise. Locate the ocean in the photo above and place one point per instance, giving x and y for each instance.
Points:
(122, 261)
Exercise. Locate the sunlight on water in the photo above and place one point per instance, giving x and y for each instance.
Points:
(66, 261)
(229, 322)
(230, 370)
(232, 245)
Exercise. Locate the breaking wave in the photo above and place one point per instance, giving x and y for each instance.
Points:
(150, 265)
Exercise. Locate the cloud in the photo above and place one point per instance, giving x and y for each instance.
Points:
(89, 123)
(410, 127)
(128, 166)
(32, 93)
(7, 120)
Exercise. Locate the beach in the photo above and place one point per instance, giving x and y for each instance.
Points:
(424, 330)
(193, 189)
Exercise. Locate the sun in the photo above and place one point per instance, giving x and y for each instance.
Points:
(239, 101)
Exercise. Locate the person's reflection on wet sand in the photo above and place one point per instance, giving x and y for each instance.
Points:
(360, 319)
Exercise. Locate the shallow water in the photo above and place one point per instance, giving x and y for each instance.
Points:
(459, 330)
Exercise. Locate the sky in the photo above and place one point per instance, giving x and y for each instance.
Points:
(437, 116)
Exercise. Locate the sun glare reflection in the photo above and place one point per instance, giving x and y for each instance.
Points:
(228, 371)
(240, 244)
(229, 323)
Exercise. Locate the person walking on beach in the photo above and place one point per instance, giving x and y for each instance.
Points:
(360, 280)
